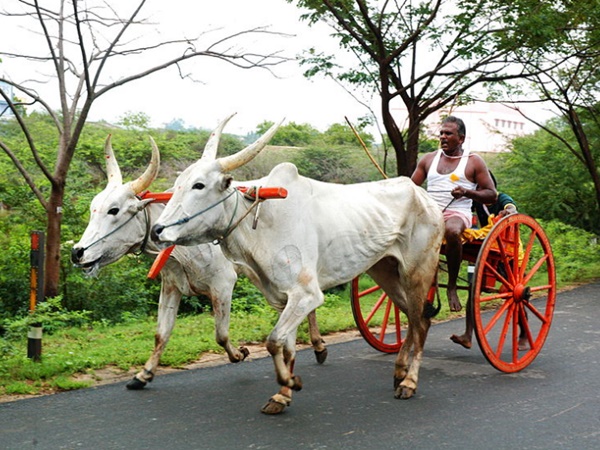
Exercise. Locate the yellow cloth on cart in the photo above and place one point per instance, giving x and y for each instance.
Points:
(473, 234)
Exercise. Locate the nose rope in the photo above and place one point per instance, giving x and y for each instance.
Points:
(187, 219)
(112, 232)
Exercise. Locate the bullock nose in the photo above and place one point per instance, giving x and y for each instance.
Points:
(76, 254)
(156, 230)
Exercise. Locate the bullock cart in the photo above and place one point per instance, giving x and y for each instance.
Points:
(512, 293)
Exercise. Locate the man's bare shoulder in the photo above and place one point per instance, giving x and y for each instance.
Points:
(476, 160)
(427, 158)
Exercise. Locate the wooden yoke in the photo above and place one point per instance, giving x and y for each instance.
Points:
(264, 193)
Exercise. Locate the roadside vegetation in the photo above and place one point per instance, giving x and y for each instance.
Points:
(109, 321)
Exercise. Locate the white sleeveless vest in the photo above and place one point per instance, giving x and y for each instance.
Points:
(439, 185)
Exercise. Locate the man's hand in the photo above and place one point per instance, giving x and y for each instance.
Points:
(459, 192)
(508, 210)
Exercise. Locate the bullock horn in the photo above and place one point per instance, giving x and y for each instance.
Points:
(112, 167)
(229, 163)
(149, 175)
(210, 149)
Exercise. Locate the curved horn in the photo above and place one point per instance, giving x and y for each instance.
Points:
(149, 175)
(210, 149)
(245, 155)
(112, 167)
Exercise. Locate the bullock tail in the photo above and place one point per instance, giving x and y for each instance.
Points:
(430, 311)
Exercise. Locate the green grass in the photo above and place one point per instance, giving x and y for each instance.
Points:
(73, 351)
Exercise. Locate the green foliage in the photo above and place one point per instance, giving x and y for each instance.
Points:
(247, 298)
(576, 252)
(548, 182)
(291, 134)
(51, 314)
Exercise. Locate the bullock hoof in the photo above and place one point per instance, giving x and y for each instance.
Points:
(297, 383)
(136, 385)
(244, 352)
(321, 356)
(404, 392)
(274, 407)
(397, 381)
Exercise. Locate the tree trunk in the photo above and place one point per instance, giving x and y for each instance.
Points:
(412, 141)
(53, 235)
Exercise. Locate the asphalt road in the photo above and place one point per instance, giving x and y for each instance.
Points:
(347, 403)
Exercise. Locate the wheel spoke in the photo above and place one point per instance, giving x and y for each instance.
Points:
(386, 318)
(523, 322)
(375, 308)
(516, 235)
(535, 268)
(496, 296)
(505, 259)
(527, 254)
(538, 314)
(515, 333)
(369, 291)
(497, 315)
(504, 330)
(497, 274)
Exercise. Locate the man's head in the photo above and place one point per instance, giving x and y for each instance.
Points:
(452, 134)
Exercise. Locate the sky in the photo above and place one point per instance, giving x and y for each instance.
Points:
(254, 95)
(221, 89)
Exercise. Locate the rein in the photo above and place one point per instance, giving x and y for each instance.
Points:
(230, 226)
(121, 226)
(146, 234)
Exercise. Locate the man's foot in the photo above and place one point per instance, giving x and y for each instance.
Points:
(453, 300)
(523, 344)
(461, 340)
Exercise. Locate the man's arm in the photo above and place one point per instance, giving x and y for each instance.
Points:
(420, 174)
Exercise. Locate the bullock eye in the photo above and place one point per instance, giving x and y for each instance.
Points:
(113, 211)
(198, 186)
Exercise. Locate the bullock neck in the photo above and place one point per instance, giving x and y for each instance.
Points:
(146, 245)
(256, 201)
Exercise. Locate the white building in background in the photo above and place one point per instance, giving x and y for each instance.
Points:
(5, 111)
(490, 126)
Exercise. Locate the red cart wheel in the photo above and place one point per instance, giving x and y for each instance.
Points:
(513, 291)
(377, 318)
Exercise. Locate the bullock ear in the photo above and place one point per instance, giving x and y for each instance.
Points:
(226, 180)
(228, 163)
(143, 203)
(210, 149)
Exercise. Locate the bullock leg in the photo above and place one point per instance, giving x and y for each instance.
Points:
(168, 305)
(406, 386)
(281, 343)
(315, 338)
(221, 303)
(405, 382)
(283, 398)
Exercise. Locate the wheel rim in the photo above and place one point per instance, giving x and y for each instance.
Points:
(377, 318)
(521, 300)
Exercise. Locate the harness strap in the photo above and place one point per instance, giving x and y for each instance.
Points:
(113, 231)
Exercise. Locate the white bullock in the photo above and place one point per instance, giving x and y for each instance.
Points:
(120, 224)
(320, 236)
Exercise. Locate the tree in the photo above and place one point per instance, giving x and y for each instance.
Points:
(538, 161)
(73, 51)
(567, 75)
(420, 57)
